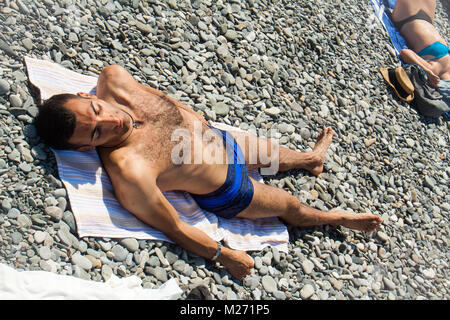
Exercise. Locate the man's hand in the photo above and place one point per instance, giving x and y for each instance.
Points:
(237, 262)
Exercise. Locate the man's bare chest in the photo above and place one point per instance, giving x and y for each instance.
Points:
(157, 120)
(154, 143)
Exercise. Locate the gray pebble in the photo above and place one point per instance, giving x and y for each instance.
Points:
(70, 220)
(24, 221)
(160, 274)
(54, 212)
(383, 236)
(161, 257)
(120, 253)
(65, 236)
(45, 252)
(279, 295)
(130, 243)
(221, 109)
(39, 236)
(171, 257)
(252, 281)
(4, 86)
(82, 262)
(231, 35)
(258, 262)
(15, 100)
(13, 213)
(305, 133)
(389, 284)
(106, 272)
(14, 155)
(179, 265)
(26, 167)
(106, 246)
(16, 237)
(307, 291)
(307, 266)
(269, 284)
(177, 61)
(6, 204)
(154, 262)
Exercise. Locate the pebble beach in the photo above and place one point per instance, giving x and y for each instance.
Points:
(291, 66)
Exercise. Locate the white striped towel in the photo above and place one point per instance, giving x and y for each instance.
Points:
(96, 210)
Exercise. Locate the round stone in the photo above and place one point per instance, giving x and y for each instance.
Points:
(305, 133)
(269, 284)
(307, 291)
(120, 253)
(160, 274)
(39, 236)
(45, 252)
(4, 86)
(221, 109)
(13, 213)
(54, 212)
(16, 237)
(15, 100)
(82, 262)
(24, 221)
(130, 243)
(231, 35)
(307, 266)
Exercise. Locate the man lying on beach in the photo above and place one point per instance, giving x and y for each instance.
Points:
(132, 127)
(414, 21)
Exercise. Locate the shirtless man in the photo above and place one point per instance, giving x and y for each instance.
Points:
(414, 20)
(131, 124)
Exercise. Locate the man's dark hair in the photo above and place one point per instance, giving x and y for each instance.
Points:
(55, 123)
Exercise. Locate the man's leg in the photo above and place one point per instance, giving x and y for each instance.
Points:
(269, 201)
(257, 152)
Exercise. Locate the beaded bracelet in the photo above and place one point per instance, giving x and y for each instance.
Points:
(218, 252)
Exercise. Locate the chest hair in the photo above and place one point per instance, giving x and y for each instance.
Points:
(161, 118)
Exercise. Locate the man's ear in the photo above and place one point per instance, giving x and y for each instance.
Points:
(85, 95)
(84, 148)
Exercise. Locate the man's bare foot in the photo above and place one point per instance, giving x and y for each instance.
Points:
(320, 150)
(358, 221)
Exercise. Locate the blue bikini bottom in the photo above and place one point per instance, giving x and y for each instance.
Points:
(437, 50)
(237, 192)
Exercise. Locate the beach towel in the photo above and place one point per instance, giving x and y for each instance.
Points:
(99, 214)
(381, 7)
(43, 285)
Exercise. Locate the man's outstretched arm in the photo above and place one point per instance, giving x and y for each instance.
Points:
(140, 195)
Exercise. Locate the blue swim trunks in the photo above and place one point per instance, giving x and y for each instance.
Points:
(237, 192)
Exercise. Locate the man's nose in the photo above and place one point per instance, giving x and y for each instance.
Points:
(109, 119)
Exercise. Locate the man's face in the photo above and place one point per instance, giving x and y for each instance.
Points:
(98, 123)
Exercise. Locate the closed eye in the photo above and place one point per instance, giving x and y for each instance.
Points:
(96, 130)
(93, 109)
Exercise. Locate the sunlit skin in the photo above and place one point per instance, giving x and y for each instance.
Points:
(139, 165)
(419, 34)
(99, 123)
